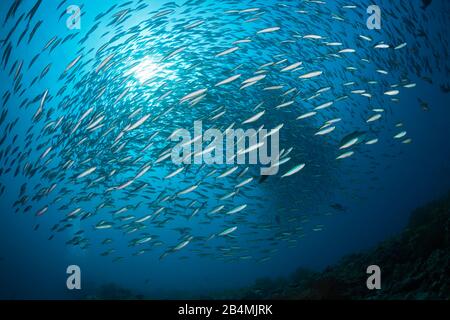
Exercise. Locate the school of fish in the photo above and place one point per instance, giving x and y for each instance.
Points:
(89, 139)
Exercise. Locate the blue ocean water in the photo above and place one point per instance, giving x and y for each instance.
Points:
(144, 57)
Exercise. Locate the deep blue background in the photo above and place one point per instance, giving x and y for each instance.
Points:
(33, 267)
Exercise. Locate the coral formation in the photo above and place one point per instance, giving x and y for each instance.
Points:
(415, 265)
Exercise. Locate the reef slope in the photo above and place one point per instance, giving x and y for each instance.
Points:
(414, 265)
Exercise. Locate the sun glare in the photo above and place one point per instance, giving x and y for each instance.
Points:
(146, 70)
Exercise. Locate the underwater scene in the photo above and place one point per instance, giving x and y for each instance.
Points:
(235, 149)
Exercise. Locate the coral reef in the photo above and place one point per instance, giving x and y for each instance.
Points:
(112, 291)
(415, 265)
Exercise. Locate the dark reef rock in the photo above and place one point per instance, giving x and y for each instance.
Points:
(414, 264)
(112, 291)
